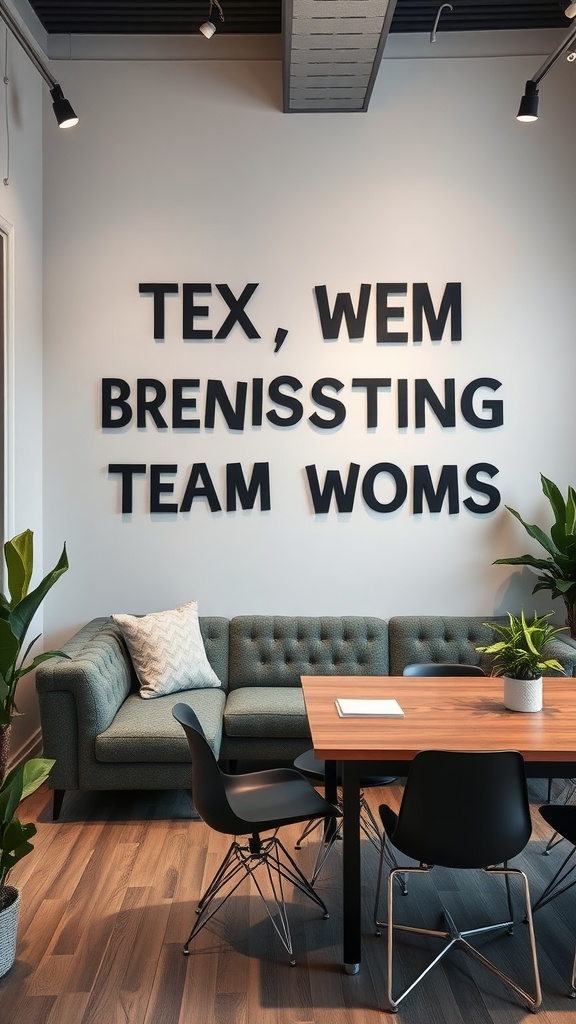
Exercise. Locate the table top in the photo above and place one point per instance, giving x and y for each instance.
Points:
(440, 712)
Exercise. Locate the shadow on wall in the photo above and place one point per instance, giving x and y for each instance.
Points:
(515, 594)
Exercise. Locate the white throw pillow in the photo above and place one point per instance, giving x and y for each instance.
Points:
(167, 650)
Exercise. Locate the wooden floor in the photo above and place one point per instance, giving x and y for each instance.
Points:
(109, 896)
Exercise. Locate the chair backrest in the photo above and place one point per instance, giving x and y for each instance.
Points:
(437, 668)
(464, 809)
(208, 786)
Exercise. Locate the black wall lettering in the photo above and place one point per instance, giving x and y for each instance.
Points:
(126, 472)
(328, 402)
(285, 401)
(150, 403)
(424, 488)
(369, 481)
(384, 313)
(158, 487)
(159, 291)
(494, 407)
(424, 395)
(200, 486)
(190, 312)
(492, 493)
(180, 402)
(422, 304)
(343, 496)
(257, 401)
(331, 323)
(236, 486)
(237, 313)
(118, 400)
(233, 415)
(372, 386)
(402, 403)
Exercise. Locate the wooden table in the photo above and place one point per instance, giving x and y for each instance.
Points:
(442, 713)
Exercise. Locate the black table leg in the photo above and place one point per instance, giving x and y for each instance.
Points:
(351, 867)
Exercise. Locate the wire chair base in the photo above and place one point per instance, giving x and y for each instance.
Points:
(250, 859)
(454, 938)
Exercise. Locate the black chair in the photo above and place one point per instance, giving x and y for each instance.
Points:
(480, 820)
(562, 818)
(315, 771)
(247, 805)
(437, 668)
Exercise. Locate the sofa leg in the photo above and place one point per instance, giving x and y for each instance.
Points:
(57, 802)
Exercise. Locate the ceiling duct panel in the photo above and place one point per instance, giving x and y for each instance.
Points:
(332, 52)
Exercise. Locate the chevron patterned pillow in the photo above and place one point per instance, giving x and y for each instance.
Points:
(167, 650)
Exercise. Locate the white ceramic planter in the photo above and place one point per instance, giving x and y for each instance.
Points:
(523, 694)
(9, 931)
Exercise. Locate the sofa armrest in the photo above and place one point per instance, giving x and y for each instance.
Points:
(80, 695)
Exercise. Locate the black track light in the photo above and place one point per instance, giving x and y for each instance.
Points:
(529, 103)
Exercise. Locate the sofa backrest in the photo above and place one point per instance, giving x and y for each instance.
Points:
(415, 639)
(275, 650)
(215, 630)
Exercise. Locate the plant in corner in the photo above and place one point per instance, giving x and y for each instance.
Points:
(557, 572)
(519, 656)
(15, 844)
(16, 614)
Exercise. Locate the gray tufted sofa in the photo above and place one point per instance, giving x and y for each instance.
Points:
(104, 736)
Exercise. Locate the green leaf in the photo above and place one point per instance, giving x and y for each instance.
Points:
(534, 563)
(571, 511)
(38, 661)
(11, 793)
(9, 648)
(536, 532)
(19, 555)
(36, 771)
(556, 500)
(23, 613)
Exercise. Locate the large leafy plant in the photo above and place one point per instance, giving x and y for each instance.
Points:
(16, 613)
(519, 651)
(557, 572)
(15, 835)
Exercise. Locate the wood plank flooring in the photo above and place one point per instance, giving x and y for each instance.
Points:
(109, 896)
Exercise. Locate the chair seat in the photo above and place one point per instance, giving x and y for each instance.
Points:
(562, 818)
(274, 797)
(315, 770)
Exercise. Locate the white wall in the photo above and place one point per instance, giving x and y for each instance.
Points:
(21, 220)
(188, 172)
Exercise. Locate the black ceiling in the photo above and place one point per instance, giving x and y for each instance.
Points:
(180, 17)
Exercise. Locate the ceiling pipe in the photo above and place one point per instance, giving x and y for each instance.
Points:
(63, 111)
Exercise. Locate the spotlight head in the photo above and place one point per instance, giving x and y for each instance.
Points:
(208, 29)
(62, 108)
(529, 103)
(570, 11)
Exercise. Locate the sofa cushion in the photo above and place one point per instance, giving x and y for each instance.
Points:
(146, 731)
(266, 711)
(167, 650)
(415, 639)
(275, 650)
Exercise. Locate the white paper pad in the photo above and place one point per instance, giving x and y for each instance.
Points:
(349, 708)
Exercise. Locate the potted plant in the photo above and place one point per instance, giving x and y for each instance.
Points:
(15, 844)
(557, 572)
(518, 655)
(16, 614)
